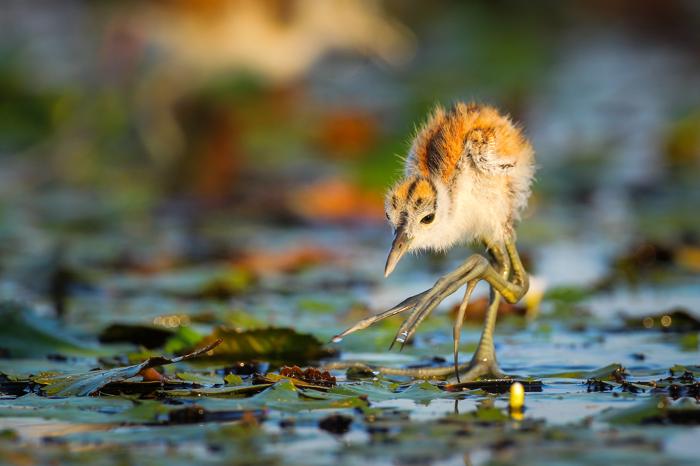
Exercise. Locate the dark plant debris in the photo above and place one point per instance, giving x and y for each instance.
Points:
(495, 386)
(310, 375)
(337, 424)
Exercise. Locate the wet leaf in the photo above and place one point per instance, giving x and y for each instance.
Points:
(282, 396)
(91, 382)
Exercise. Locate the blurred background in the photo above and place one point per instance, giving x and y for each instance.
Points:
(143, 137)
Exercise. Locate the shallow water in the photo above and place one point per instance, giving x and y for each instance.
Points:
(556, 349)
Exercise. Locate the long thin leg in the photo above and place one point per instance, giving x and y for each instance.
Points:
(459, 320)
(484, 359)
(475, 267)
(497, 254)
(503, 264)
(443, 288)
(519, 273)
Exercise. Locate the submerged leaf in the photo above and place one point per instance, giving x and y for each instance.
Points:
(90, 382)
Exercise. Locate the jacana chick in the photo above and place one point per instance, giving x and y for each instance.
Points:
(467, 179)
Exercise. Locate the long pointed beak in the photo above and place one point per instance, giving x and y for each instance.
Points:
(398, 249)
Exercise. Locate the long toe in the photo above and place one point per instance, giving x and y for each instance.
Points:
(480, 371)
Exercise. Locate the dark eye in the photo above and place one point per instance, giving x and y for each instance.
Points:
(428, 219)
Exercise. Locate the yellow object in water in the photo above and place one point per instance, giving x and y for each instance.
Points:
(517, 397)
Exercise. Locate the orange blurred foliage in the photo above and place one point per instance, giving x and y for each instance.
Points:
(476, 310)
(347, 134)
(337, 200)
(263, 261)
